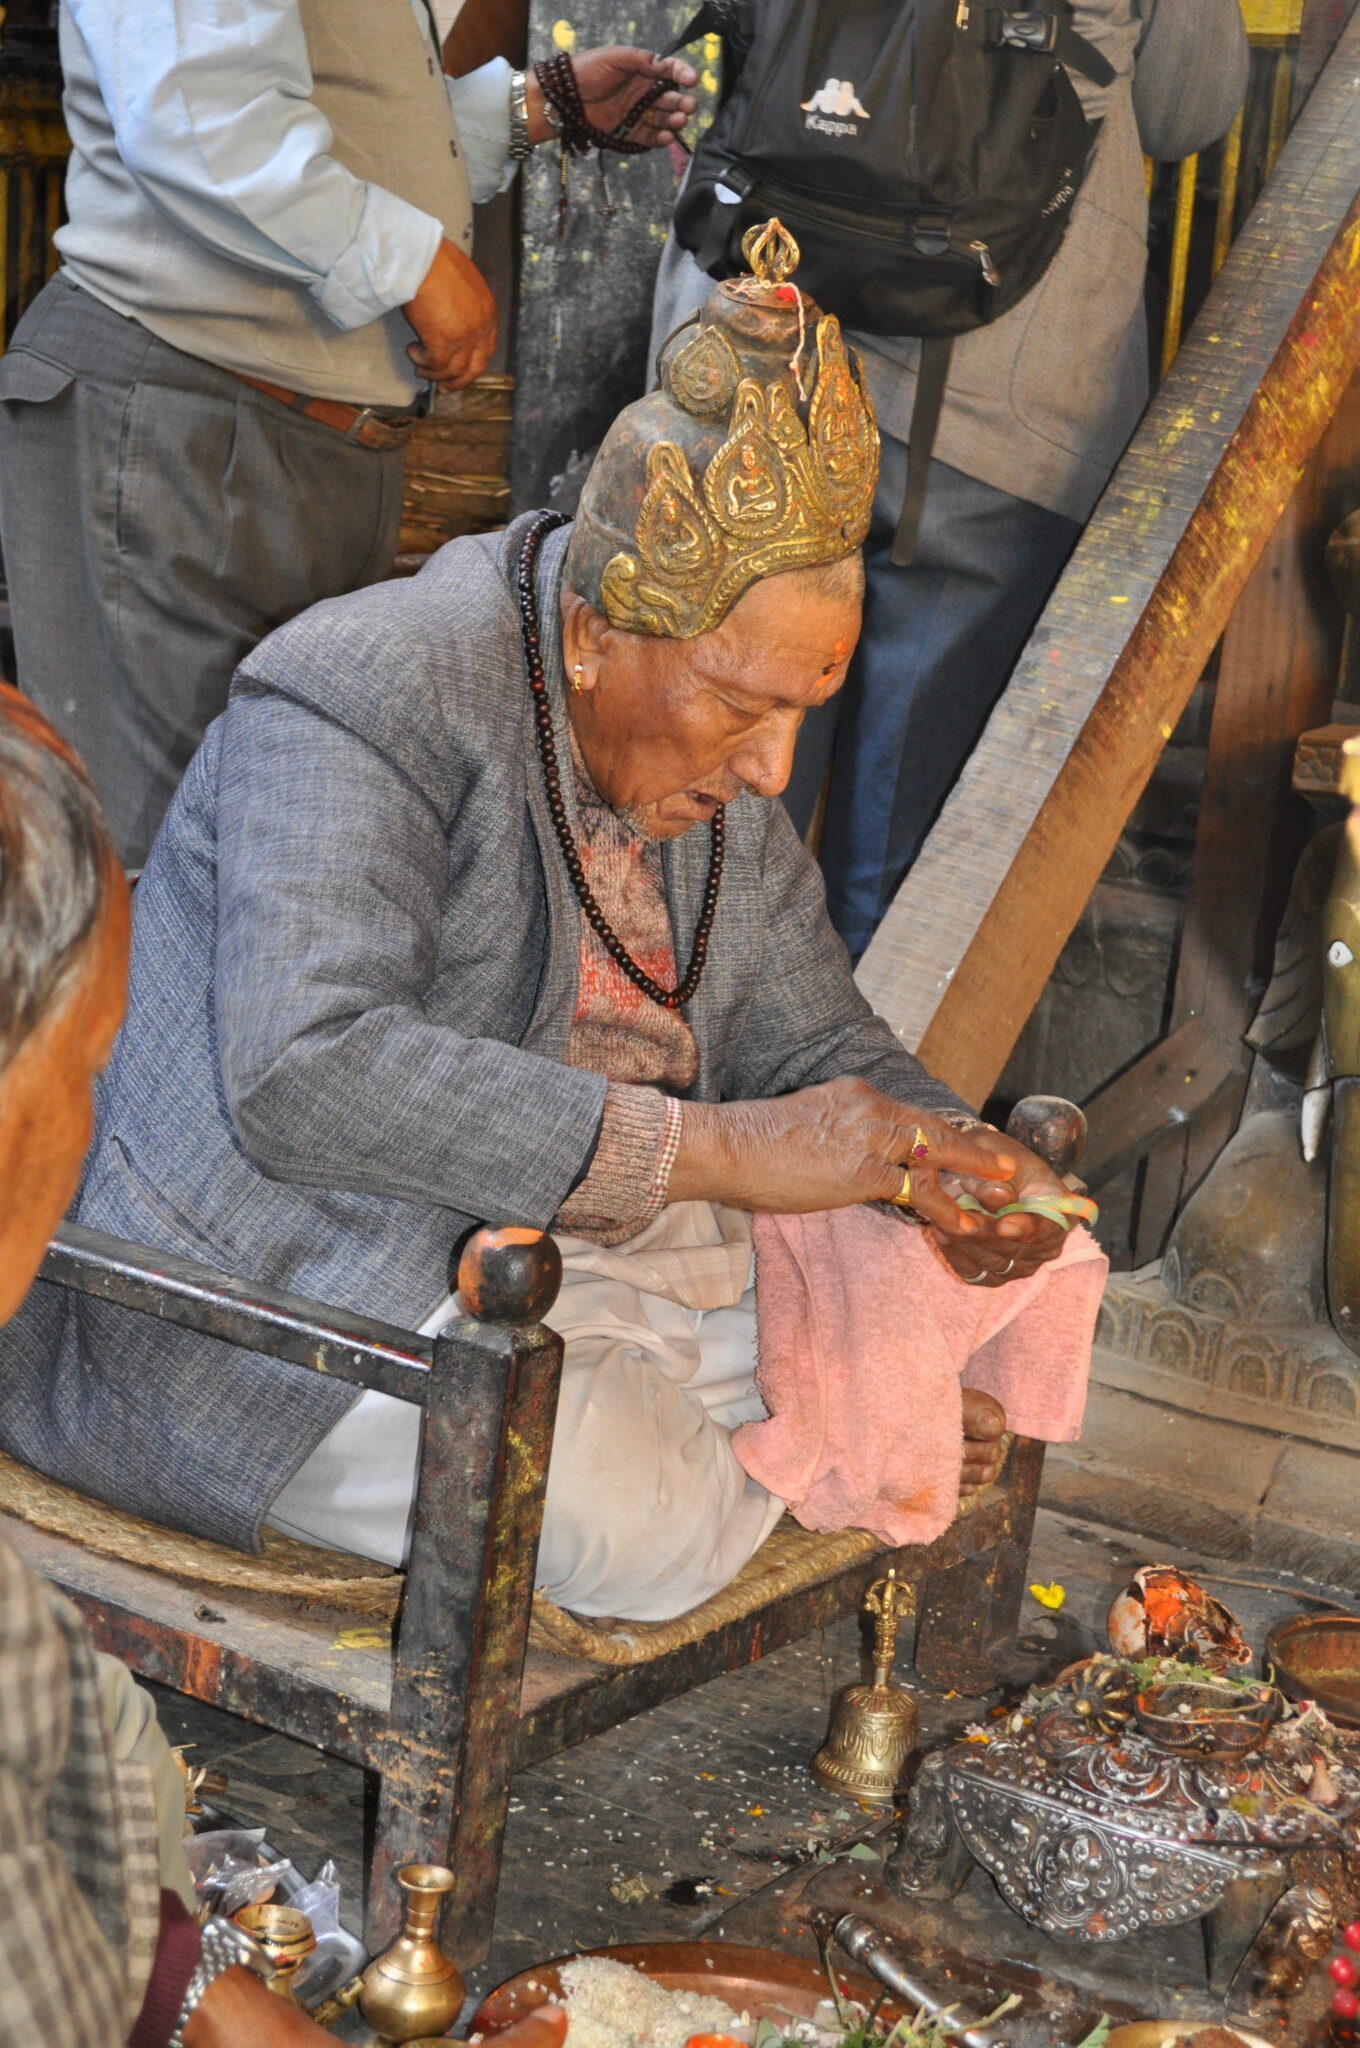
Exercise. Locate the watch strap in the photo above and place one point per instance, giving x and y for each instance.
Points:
(223, 1946)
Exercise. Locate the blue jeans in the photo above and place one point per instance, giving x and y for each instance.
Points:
(939, 642)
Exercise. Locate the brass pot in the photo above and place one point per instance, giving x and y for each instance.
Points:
(286, 1937)
(1208, 1721)
(414, 1990)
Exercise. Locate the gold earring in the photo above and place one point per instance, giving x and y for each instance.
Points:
(576, 683)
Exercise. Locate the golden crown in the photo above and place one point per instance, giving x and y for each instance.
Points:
(780, 493)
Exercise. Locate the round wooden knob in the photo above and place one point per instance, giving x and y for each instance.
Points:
(510, 1275)
(1052, 1127)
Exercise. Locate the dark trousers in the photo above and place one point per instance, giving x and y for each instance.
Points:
(940, 639)
(158, 518)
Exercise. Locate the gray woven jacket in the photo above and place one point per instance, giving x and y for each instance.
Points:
(354, 974)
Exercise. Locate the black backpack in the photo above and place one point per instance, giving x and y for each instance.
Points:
(925, 153)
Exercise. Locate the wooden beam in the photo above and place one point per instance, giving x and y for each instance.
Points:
(977, 926)
(1155, 1098)
(1277, 676)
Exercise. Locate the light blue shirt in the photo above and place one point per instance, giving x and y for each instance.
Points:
(210, 105)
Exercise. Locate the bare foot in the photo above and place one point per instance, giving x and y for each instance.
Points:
(984, 1425)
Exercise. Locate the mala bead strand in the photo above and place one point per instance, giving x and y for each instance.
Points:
(666, 998)
(577, 134)
(562, 91)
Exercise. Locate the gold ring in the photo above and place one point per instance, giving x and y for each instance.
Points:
(903, 1198)
(920, 1144)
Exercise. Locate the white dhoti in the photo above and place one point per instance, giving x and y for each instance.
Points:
(648, 1511)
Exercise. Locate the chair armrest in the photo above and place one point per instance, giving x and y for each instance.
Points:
(359, 1349)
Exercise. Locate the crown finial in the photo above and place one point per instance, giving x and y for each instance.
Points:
(771, 251)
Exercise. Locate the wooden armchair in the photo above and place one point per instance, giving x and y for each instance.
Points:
(444, 1711)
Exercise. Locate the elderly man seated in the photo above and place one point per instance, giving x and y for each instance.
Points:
(476, 904)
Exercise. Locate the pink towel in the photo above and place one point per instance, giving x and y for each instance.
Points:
(866, 1339)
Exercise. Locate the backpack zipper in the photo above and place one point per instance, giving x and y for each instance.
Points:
(883, 227)
(990, 274)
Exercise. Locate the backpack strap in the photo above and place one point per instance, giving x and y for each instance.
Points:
(714, 18)
(931, 379)
(1044, 29)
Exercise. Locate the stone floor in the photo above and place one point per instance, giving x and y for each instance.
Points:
(662, 1828)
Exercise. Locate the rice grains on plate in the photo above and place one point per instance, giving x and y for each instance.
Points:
(613, 2005)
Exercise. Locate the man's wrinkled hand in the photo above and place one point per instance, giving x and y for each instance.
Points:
(611, 81)
(454, 315)
(832, 1145)
(1005, 1248)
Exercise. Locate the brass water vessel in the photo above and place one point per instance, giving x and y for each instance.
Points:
(414, 1990)
(873, 1727)
(285, 1935)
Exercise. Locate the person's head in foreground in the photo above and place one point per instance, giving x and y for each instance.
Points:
(478, 905)
(63, 974)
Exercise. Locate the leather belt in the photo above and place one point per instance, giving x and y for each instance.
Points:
(358, 423)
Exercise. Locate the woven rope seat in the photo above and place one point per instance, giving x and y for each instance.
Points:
(789, 1559)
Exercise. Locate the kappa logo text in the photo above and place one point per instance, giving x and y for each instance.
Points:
(837, 98)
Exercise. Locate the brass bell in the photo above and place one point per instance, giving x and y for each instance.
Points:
(873, 1727)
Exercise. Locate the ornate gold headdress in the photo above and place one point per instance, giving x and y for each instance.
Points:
(759, 453)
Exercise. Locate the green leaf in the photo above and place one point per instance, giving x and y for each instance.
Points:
(1099, 2034)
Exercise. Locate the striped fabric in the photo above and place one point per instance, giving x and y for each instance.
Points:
(79, 1871)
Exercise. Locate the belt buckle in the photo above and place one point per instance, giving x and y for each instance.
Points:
(373, 429)
(358, 427)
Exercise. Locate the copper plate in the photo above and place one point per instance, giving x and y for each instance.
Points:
(755, 1980)
(1317, 1657)
(1162, 2033)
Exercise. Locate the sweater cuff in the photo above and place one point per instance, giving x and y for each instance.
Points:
(176, 1954)
(630, 1174)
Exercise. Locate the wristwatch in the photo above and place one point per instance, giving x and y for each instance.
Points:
(519, 117)
(223, 1946)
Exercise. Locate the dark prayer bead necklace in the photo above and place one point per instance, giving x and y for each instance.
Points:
(668, 998)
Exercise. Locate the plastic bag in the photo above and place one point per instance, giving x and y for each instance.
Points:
(227, 1871)
(320, 1900)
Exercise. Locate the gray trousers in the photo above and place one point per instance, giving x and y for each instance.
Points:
(158, 517)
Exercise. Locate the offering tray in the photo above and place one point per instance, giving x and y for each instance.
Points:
(759, 1981)
(1095, 1836)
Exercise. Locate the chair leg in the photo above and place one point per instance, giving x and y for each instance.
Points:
(465, 1624)
(970, 1609)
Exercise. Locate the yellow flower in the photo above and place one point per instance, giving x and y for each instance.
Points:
(1050, 1596)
